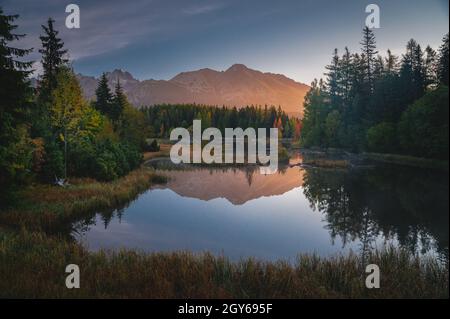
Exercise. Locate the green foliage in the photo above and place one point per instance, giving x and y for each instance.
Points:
(103, 160)
(442, 69)
(15, 101)
(52, 59)
(101, 140)
(119, 103)
(104, 96)
(423, 129)
(153, 146)
(365, 97)
(332, 124)
(382, 137)
(91, 151)
(160, 119)
(316, 111)
(132, 127)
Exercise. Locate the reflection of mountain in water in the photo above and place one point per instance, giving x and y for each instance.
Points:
(408, 207)
(236, 185)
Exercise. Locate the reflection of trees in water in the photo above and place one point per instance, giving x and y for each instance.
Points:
(410, 205)
(80, 224)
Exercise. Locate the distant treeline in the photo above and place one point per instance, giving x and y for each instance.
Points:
(382, 104)
(163, 118)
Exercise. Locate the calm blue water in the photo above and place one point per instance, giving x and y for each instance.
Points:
(240, 213)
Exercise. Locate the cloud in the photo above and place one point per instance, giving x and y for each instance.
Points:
(201, 9)
(107, 26)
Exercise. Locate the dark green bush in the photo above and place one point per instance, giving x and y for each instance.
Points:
(103, 160)
(153, 146)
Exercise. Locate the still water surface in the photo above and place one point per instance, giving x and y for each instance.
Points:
(240, 213)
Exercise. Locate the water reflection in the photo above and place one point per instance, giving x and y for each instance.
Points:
(241, 213)
(410, 205)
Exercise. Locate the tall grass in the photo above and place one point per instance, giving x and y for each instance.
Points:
(46, 206)
(32, 265)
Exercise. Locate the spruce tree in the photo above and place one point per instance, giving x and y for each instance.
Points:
(333, 81)
(346, 75)
(119, 103)
(391, 62)
(443, 62)
(52, 58)
(15, 96)
(104, 97)
(369, 50)
(430, 66)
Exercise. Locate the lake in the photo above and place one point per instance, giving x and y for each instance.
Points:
(239, 213)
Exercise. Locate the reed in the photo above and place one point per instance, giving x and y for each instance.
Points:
(45, 206)
(32, 265)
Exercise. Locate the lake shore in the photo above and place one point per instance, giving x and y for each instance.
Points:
(338, 158)
(133, 274)
(44, 207)
(27, 244)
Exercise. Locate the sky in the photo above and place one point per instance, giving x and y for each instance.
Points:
(157, 39)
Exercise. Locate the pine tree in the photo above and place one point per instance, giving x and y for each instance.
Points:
(119, 104)
(15, 95)
(407, 71)
(346, 75)
(419, 70)
(333, 81)
(443, 61)
(104, 97)
(369, 50)
(430, 66)
(391, 62)
(52, 58)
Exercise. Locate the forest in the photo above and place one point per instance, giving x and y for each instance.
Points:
(51, 132)
(389, 104)
(367, 102)
(163, 118)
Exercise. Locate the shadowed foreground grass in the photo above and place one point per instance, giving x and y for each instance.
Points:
(47, 206)
(32, 265)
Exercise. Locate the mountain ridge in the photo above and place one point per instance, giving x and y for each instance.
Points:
(236, 86)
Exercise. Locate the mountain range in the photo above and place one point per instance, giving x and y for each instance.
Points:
(237, 86)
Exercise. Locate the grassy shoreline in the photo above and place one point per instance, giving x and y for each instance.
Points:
(340, 158)
(32, 265)
(45, 206)
(32, 262)
(407, 161)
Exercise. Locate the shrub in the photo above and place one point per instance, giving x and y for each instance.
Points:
(423, 128)
(381, 138)
(153, 146)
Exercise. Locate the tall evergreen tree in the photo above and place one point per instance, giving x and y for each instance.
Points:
(104, 97)
(346, 75)
(52, 58)
(119, 104)
(430, 67)
(443, 61)
(15, 95)
(333, 81)
(368, 48)
(391, 62)
(378, 68)
(419, 70)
